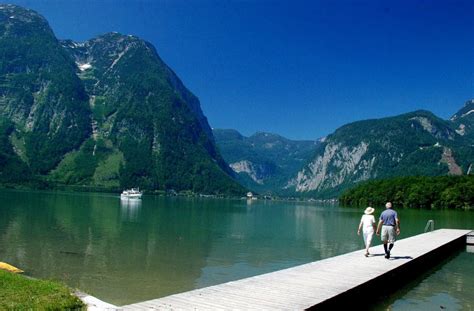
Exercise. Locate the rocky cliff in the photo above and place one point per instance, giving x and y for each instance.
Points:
(417, 143)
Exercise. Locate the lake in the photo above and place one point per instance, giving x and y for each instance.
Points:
(125, 252)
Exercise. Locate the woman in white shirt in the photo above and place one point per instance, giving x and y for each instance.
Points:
(367, 224)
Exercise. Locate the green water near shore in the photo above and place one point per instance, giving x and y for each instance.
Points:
(448, 286)
(124, 252)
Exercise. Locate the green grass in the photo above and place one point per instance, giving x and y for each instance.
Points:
(20, 293)
(107, 172)
(65, 169)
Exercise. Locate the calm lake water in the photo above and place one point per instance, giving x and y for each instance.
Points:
(125, 252)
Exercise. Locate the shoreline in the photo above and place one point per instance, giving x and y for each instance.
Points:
(171, 193)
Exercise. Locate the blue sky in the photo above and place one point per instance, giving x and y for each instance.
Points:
(296, 68)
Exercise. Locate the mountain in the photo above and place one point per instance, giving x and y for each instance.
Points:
(264, 161)
(417, 143)
(43, 104)
(464, 120)
(106, 113)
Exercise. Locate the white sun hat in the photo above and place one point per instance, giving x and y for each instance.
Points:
(369, 210)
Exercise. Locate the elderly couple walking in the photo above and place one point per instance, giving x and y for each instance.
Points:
(388, 222)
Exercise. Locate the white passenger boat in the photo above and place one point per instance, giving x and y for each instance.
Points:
(133, 193)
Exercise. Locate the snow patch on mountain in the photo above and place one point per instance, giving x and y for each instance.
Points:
(84, 66)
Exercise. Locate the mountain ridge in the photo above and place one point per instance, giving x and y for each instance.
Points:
(410, 144)
(108, 112)
(138, 125)
(262, 160)
(413, 143)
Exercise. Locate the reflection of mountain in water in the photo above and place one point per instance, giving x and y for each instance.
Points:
(273, 236)
(125, 253)
(88, 241)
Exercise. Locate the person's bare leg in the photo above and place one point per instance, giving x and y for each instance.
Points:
(367, 245)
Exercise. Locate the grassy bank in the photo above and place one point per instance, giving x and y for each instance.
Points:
(20, 293)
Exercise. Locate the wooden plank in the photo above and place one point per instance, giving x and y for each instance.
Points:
(283, 295)
(181, 303)
(306, 285)
(185, 304)
(137, 307)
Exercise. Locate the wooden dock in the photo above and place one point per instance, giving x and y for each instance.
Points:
(345, 280)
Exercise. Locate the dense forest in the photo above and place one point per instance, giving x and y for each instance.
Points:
(414, 192)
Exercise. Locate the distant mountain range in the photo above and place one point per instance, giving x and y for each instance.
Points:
(416, 143)
(105, 113)
(263, 162)
(109, 113)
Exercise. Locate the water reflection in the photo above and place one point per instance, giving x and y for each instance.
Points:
(128, 251)
(130, 209)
